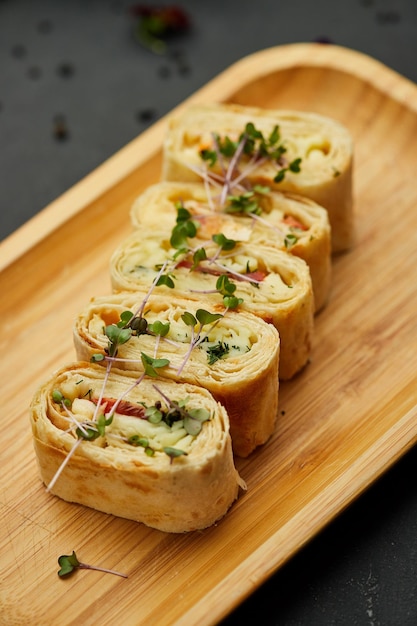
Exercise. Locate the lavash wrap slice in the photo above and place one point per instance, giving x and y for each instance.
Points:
(182, 494)
(283, 296)
(287, 221)
(244, 377)
(324, 145)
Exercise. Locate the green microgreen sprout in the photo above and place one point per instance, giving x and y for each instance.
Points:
(223, 242)
(197, 323)
(294, 166)
(166, 280)
(290, 240)
(173, 453)
(193, 419)
(143, 442)
(226, 288)
(117, 336)
(246, 204)
(159, 328)
(253, 144)
(150, 365)
(198, 256)
(90, 430)
(59, 398)
(69, 563)
(184, 228)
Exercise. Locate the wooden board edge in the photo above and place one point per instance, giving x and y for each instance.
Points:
(292, 537)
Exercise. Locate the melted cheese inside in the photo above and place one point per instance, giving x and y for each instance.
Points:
(239, 339)
(143, 259)
(123, 427)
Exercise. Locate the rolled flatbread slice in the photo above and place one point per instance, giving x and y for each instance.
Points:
(156, 473)
(269, 283)
(279, 219)
(234, 356)
(324, 146)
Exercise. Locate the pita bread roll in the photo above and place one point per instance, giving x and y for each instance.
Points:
(236, 357)
(270, 283)
(283, 220)
(130, 470)
(323, 145)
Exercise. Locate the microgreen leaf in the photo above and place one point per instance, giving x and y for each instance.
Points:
(102, 422)
(174, 452)
(209, 155)
(224, 285)
(223, 241)
(159, 328)
(125, 318)
(151, 365)
(280, 175)
(205, 317)
(183, 214)
(245, 203)
(188, 318)
(231, 302)
(153, 414)
(117, 336)
(143, 442)
(86, 432)
(69, 563)
(185, 227)
(256, 147)
(295, 166)
(193, 421)
(199, 255)
(262, 189)
(290, 240)
(57, 396)
(137, 440)
(166, 280)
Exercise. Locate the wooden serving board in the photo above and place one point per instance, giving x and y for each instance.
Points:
(349, 416)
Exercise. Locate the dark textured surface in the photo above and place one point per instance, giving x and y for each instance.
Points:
(75, 86)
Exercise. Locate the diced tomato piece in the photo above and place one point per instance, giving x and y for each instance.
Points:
(291, 221)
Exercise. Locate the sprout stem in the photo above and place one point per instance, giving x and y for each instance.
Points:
(101, 569)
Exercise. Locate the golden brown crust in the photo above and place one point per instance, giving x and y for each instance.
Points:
(324, 145)
(107, 474)
(244, 380)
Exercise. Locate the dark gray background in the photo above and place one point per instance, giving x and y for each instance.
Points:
(76, 66)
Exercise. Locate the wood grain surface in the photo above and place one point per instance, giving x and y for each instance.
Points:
(349, 416)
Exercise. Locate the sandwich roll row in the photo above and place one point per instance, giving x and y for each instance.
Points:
(127, 470)
(213, 303)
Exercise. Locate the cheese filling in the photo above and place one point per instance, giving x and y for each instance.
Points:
(144, 261)
(220, 340)
(79, 408)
